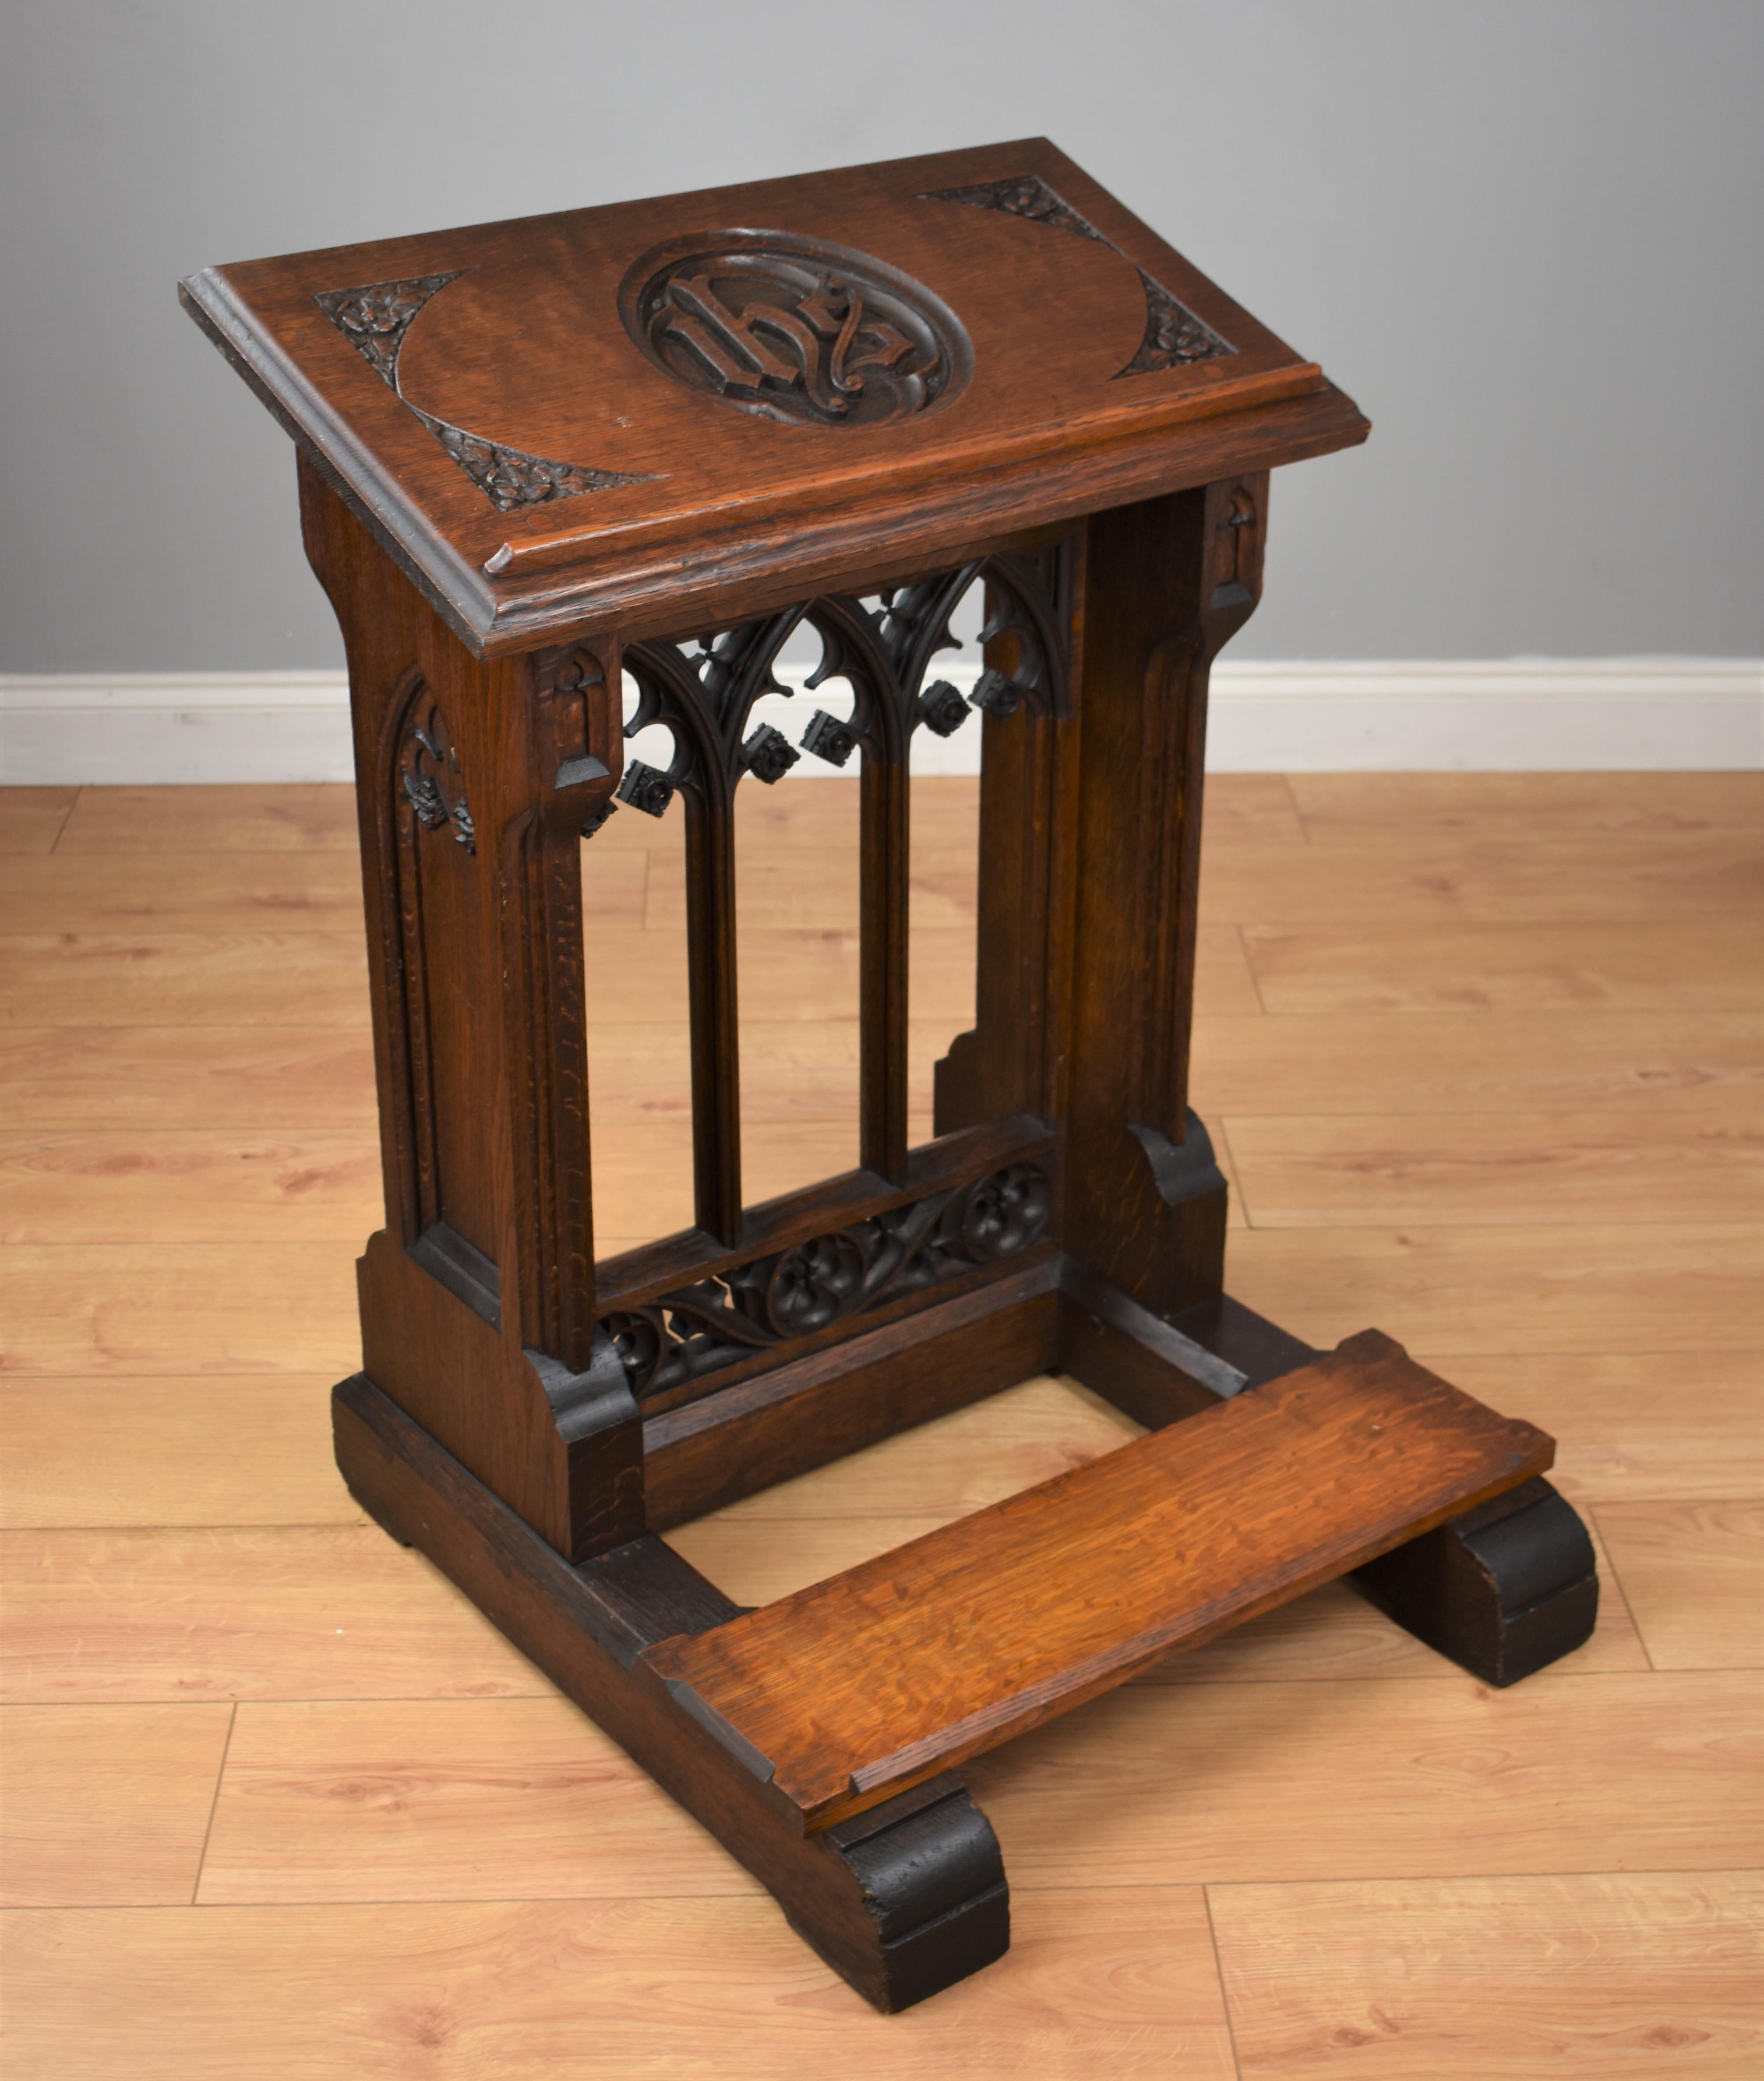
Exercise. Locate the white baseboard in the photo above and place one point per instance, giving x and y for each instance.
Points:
(1491, 716)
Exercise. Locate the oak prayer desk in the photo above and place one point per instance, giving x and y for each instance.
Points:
(647, 445)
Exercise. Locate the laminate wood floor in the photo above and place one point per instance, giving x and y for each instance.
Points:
(1484, 1057)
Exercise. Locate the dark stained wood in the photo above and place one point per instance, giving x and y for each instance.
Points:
(538, 458)
(1504, 1590)
(1166, 584)
(848, 1394)
(432, 374)
(908, 1899)
(855, 1689)
(885, 838)
(477, 1298)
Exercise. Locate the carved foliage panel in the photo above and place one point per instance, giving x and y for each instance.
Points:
(687, 1336)
(449, 1193)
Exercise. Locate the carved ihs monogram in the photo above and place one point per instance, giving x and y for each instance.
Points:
(428, 778)
(796, 328)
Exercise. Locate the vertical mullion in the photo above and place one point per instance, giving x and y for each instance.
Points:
(885, 855)
(711, 990)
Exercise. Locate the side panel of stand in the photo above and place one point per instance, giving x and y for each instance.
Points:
(474, 778)
(1167, 583)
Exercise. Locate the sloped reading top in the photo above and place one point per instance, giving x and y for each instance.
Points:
(786, 327)
(621, 409)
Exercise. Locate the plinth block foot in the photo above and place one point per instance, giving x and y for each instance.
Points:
(902, 1900)
(1504, 1590)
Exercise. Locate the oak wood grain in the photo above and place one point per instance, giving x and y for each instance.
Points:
(1353, 1788)
(1330, 1632)
(1373, 1444)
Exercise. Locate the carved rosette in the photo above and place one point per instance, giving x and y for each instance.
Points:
(1174, 337)
(681, 1337)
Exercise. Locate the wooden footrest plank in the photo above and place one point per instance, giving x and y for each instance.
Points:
(859, 1687)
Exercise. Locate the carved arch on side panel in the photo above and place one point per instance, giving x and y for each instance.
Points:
(423, 805)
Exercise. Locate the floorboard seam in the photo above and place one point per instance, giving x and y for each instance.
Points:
(1616, 1582)
(1225, 1992)
(220, 1776)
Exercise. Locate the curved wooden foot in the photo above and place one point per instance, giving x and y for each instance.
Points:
(1504, 1590)
(902, 1901)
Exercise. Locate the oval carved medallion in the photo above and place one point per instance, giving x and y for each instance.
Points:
(795, 329)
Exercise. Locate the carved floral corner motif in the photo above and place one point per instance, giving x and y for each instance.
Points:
(428, 774)
(1174, 337)
(374, 318)
(681, 1337)
(1026, 195)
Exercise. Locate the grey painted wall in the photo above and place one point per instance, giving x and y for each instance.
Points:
(1524, 234)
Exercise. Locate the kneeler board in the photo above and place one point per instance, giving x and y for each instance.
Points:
(573, 478)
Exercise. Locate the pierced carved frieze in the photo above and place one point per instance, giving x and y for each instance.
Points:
(682, 1337)
(374, 319)
(1174, 337)
(428, 777)
(704, 692)
(795, 329)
